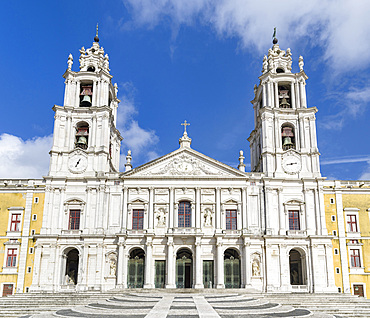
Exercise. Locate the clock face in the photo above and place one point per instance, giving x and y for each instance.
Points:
(77, 163)
(292, 164)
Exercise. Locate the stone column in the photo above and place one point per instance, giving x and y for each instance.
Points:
(151, 208)
(124, 210)
(197, 208)
(220, 264)
(125, 265)
(149, 281)
(282, 228)
(292, 95)
(244, 209)
(171, 214)
(247, 271)
(218, 208)
(120, 264)
(198, 264)
(170, 264)
(276, 95)
(264, 97)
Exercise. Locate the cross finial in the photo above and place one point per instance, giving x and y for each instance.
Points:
(185, 123)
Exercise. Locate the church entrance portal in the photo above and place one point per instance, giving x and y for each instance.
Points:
(296, 268)
(184, 268)
(72, 267)
(232, 269)
(136, 269)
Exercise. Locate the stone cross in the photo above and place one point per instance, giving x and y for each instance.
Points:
(185, 123)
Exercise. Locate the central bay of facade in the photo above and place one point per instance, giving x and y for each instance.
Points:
(184, 220)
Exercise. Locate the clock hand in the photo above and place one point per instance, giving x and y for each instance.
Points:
(290, 164)
(78, 162)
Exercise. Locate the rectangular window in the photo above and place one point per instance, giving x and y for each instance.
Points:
(31, 250)
(15, 222)
(352, 223)
(331, 201)
(336, 251)
(294, 221)
(32, 232)
(230, 219)
(11, 259)
(333, 218)
(34, 217)
(137, 219)
(27, 289)
(355, 258)
(7, 289)
(29, 269)
(184, 214)
(36, 200)
(74, 219)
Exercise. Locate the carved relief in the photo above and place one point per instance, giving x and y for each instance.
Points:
(185, 165)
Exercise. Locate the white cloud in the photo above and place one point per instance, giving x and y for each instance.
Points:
(24, 158)
(340, 28)
(366, 174)
(351, 104)
(139, 140)
(349, 159)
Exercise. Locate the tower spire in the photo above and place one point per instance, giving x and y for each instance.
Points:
(274, 39)
(96, 38)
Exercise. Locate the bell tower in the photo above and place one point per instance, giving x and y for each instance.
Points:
(283, 142)
(86, 139)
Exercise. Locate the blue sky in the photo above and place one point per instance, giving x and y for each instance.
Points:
(196, 60)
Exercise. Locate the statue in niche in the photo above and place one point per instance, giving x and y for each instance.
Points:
(208, 217)
(256, 268)
(161, 217)
(70, 277)
(112, 267)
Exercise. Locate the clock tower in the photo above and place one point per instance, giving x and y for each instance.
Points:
(283, 143)
(85, 136)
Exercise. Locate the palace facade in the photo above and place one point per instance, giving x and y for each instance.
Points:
(185, 220)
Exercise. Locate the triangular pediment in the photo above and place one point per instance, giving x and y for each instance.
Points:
(185, 162)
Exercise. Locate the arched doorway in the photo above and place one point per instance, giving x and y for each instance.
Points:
(231, 268)
(184, 268)
(296, 268)
(71, 273)
(135, 271)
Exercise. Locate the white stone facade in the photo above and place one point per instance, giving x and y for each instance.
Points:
(184, 219)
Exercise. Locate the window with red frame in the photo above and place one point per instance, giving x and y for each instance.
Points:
(352, 223)
(74, 219)
(15, 222)
(11, 259)
(294, 221)
(184, 214)
(355, 258)
(137, 219)
(230, 219)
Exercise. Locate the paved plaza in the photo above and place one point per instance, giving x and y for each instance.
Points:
(193, 305)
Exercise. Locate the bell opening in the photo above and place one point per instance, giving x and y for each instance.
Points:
(279, 70)
(82, 136)
(287, 137)
(284, 96)
(91, 69)
(86, 95)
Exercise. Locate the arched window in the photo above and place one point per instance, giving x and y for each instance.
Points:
(82, 135)
(184, 214)
(288, 137)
